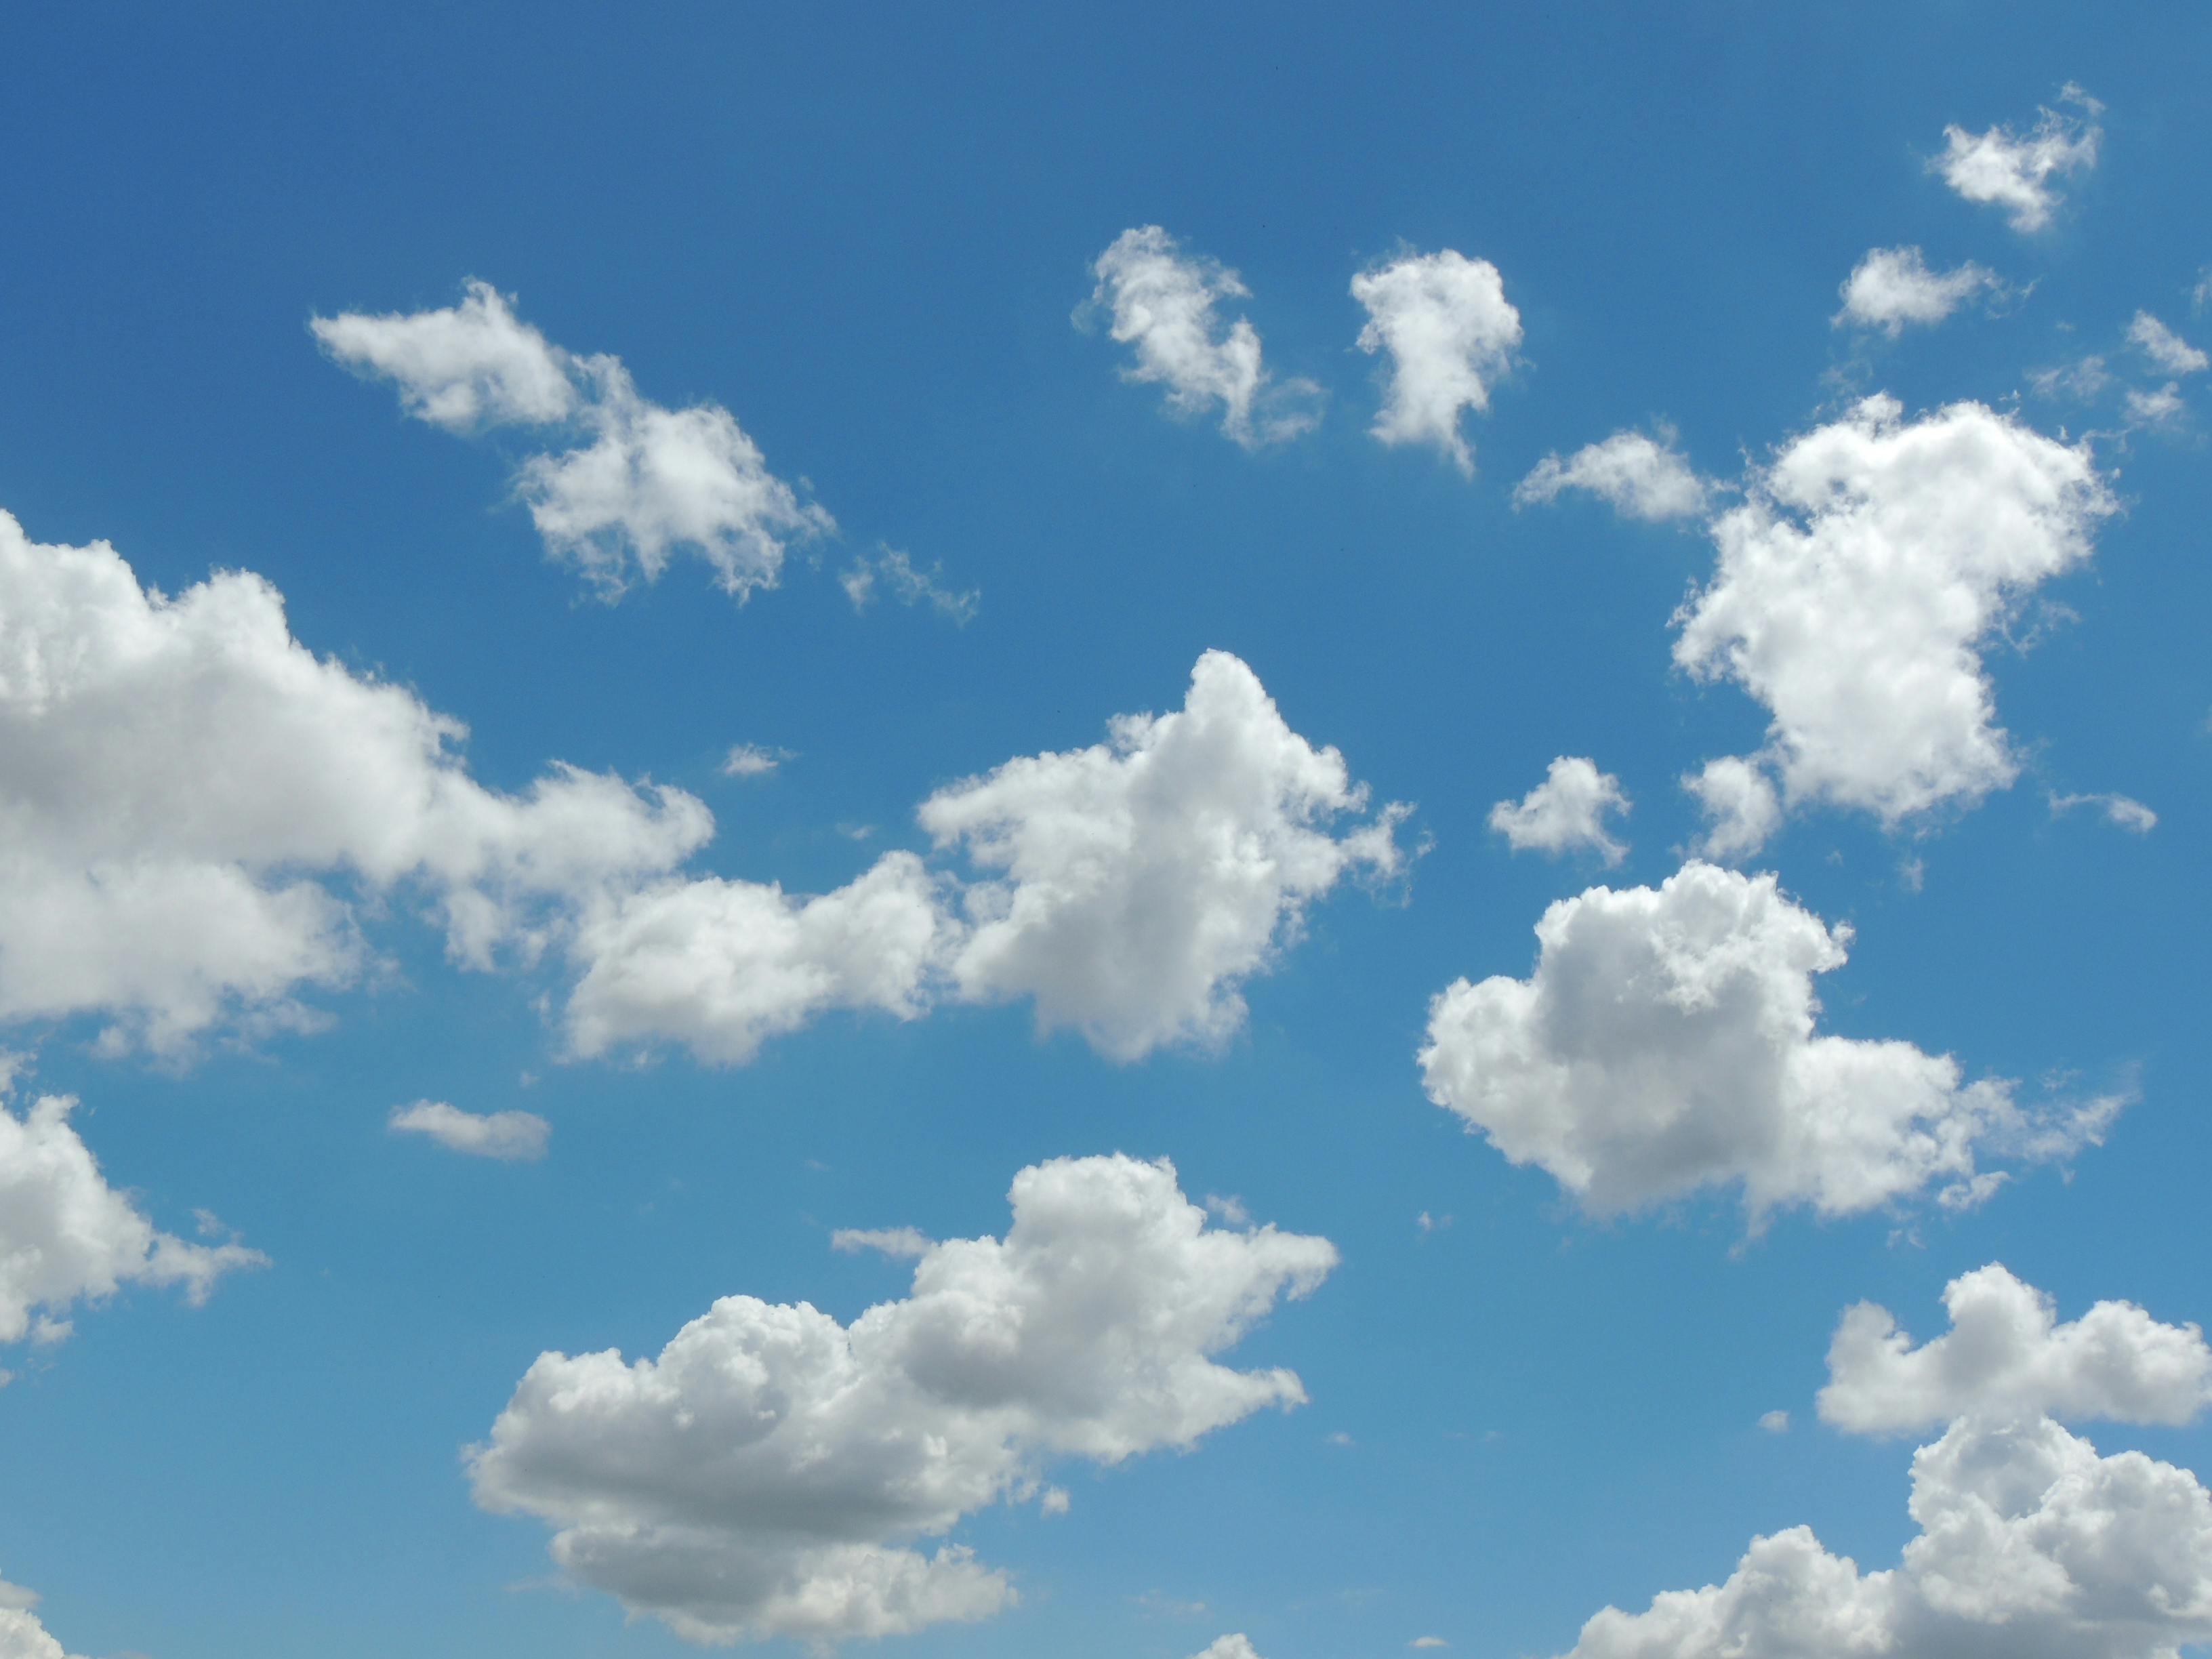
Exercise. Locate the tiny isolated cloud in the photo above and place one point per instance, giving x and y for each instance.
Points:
(1450, 334)
(891, 571)
(2166, 349)
(1892, 288)
(1775, 1422)
(1741, 806)
(511, 1137)
(1164, 303)
(1566, 812)
(2123, 811)
(899, 1243)
(2154, 406)
(2013, 170)
(753, 760)
(1638, 475)
(1428, 1641)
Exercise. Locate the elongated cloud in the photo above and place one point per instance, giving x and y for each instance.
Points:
(773, 1473)
(510, 1137)
(2166, 349)
(1565, 811)
(2014, 171)
(1637, 476)
(1892, 288)
(1450, 333)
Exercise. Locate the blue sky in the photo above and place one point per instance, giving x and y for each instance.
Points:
(883, 250)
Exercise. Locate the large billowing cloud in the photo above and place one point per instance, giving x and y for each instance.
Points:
(21, 1634)
(2014, 171)
(1637, 476)
(639, 483)
(1892, 287)
(1162, 301)
(1451, 334)
(1137, 883)
(1856, 584)
(67, 1237)
(1666, 1043)
(774, 1473)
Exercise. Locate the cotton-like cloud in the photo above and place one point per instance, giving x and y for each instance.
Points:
(2122, 810)
(2014, 171)
(1856, 583)
(67, 1237)
(21, 1635)
(1639, 476)
(1567, 811)
(1451, 334)
(2171, 353)
(2007, 1357)
(1136, 884)
(1236, 1646)
(1892, 287)
(751, 760)
(192, 801)
(511, 1137)
(1666, 1044)
(773, 1473)
(642, 482)
(1740, 807)
(1162, 301)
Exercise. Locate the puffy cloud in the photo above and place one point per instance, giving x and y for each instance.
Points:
(511, 1137)
(2123, 810)
(1893, 286)
(67, 1237)
(2006, 1356)
(772, 1472)
(1639, 476)
(1162, 301)
(1451, 334)
(1740, 807)
(1568, 810)
(1857, 582)
(1666, 1043)
(896, 574)
(21, 1635)
(645, 481)
(2013, 171)
(1235, 1646)
(2168, 350)
(751, 760)
(190, 797)
(1145, 878)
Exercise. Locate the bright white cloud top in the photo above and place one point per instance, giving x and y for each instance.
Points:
(772, 1472)
(1162, 301)
(67, 1237)
(2168, 351)
(21, 1634)
(644, 483)
(511, 1137)
(1565, 813)
(2014, 171)
(1892, 288)
(1637, 476)
(1236, 1645)
(1450, 333)
(1666, 1045)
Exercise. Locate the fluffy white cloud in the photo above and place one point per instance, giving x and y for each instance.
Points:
(2013, 171)
(1162, 301)
(1893, 286)
(66, 1236)
(751, 760)
(21, 1635)
(1740, 807)
(771, 1471)
(2123, 810)
(2006, 1356)
(1857, 582)
(1639, 476)
(1236, 1646)
(1568, 810)
(2168, 350)
(190, 797)
(2155, 407)
(1451, 334)
(512, 1137)
(645, 481)
(1145, 878)
(1665, 1043)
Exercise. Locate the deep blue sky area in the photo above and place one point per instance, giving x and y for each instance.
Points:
(864, 231)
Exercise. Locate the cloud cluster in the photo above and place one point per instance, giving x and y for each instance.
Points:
(1666, 1044)
(510, 1137)
(1162, 301)
(1565, 811)
(1637, 476)
(641, 483)
(1892, 287)
(2014, 171)
(1450, 333)
(772, 1471)
(21, 1634)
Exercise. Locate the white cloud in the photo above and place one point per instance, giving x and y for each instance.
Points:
(21, 1635)
(2006, 1356)
(2168, 350)
(772, 1471)
(1451, 334)
(1740, 804)
(751, 760)
(68, 1237)
(1236, 1646)
(1162, 303)
(1428, 1641)
(1145, 878)
(1666, 1044)
(511, 1137)
(1775, 1422)
(1567, 811)
(1639, 476)
(2013, 172)
(2123, 810)
(893, 1242)
(2155, 408)
(1893, 286)
(909, 585)
(645, 481)
(1855, 584)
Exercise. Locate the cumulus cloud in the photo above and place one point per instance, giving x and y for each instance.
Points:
(1892, 287)
(640, 482)
(2122, 810)
(2014, 171)
(894, 573)
(21, 1635)
(511, 1137)
(2168, 350)
(1567, 811)
(1162, 301)
(1856, 583)
(67, 1237)
(1639, 476)
(751, 760)
(1451, 334)
(1138, 883)
(773, 1473)
(1740, 804)
(1236, 1646)
(1666, 1044)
